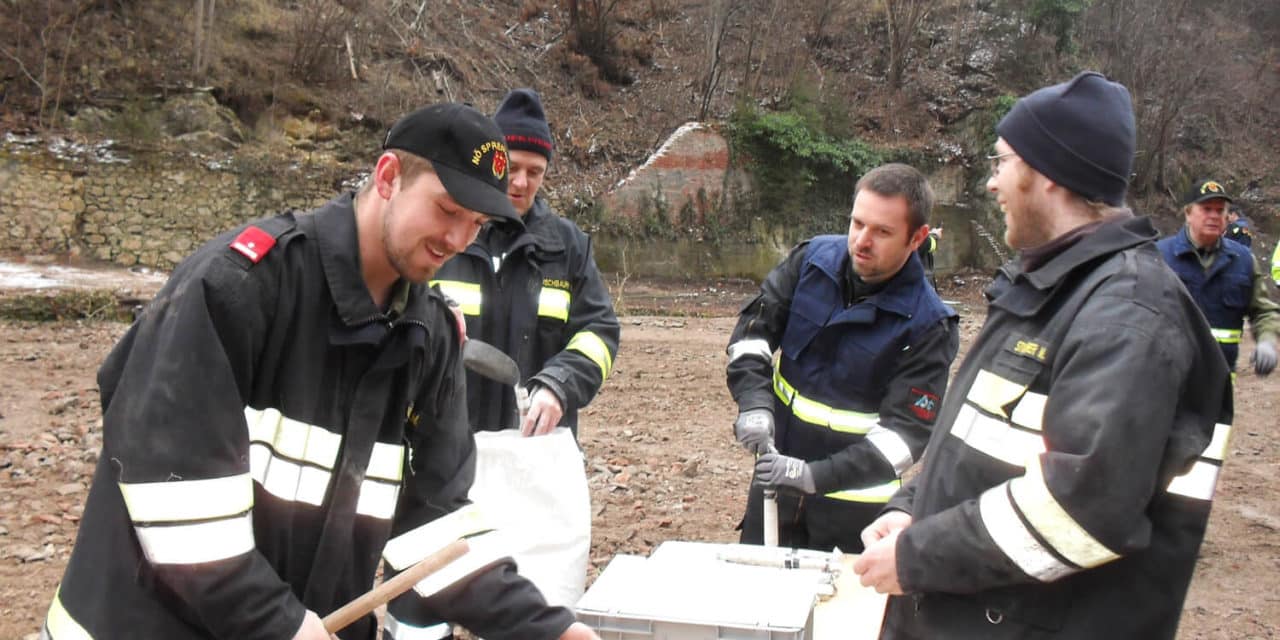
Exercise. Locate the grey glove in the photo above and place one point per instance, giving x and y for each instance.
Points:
(776, 471)
(754, 429)
(1264, 358)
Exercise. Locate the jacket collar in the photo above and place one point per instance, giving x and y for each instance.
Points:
(538, 233)
(339, 245)
(899, 294)
(1009, 293)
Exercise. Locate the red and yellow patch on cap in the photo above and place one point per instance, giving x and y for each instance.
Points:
(1211, 187)
(499, 157)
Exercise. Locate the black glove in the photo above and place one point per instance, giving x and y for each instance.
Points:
(754, 429)
(776, 471)
(1264, 358)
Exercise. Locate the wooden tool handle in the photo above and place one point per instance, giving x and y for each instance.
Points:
(403, 581)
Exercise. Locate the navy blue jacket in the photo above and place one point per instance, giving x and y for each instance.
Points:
(1223, 291)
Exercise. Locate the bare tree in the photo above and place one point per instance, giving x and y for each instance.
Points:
(203, 36)
(721, 13)
(904, 18)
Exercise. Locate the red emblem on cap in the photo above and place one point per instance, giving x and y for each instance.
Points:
(499, 164)
(253, 243)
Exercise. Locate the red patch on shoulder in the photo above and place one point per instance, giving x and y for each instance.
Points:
(923, 404)
(253, 243)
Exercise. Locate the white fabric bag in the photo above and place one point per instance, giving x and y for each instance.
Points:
(536, 489)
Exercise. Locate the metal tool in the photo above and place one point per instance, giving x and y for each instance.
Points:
(771, 512)
(489, 361)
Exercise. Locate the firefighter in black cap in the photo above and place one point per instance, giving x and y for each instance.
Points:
(286, 416)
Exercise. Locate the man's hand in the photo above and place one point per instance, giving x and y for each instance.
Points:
(877, 567)
(754, 429)
(312, 628)
(579, 631)
(776, 471)
(888, 523)
(1264, 358)
(544, 413)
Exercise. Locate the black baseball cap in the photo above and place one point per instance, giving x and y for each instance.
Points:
(467, 151)
(1206, 190)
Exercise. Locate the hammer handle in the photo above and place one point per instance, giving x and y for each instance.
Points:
(403, 581)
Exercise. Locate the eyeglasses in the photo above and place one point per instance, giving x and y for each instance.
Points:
(995, 161)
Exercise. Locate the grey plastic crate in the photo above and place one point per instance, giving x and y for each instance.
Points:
(684, 592)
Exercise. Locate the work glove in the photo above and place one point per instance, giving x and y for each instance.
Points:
(776, 471)
(1264, 358)
(754, 429)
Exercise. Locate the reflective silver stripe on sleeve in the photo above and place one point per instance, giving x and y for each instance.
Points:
(403, 631)
(1014, 540)
(294, 461)
(194, 543)
(466, 294)
(1201, 480)
(892, 447)
(593, 347)
(182, 500)
(757, 347)
(1056, 527)
(993, 393)
(995, 438)
(60, 624)
(414, 545)
(553, 303)
(484, 550)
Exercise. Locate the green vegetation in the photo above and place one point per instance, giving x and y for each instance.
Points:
(803, 171)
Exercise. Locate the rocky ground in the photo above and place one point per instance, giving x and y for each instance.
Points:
(661, 461)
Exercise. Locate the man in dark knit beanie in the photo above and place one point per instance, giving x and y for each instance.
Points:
(552, 312)
(1066, 487)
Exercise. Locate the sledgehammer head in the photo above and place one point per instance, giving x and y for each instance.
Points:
(490, 362)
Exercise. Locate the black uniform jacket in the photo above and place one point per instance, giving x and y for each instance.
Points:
(267, 431)
(537, 295)
(1065, 491)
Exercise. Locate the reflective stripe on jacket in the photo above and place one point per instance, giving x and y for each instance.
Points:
(1063, 494)
(540, 299)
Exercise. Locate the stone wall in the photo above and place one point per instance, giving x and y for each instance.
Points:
(151, 210)
(688, 173)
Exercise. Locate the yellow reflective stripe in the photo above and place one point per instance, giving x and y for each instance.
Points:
(1015, 540)
(553, 303)
(822, 415)
(1275, 265)
(466, 294)
(196, 543)
(398, 630)
(751, 347)
(993, 393)
(594, 348)
(880, 493)
(1226, 336)
(1197, 483)
(412, 546)
(1029, 412)
(1047, 516)
(293, 439)
(995, 438)
(182, 500)
(60, 624)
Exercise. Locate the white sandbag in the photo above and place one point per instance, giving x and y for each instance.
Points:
(537, 486)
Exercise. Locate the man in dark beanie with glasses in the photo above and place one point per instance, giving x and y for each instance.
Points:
(1066, 486)
(533, 291)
